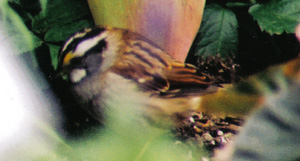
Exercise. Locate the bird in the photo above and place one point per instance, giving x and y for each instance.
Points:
(112, 69)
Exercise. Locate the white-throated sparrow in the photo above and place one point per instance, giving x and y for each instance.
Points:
(111, 69)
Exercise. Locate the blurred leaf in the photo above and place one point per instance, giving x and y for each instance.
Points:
(128, 135)
(145, 143)
(59, 13)
(19, 34)
(218, 32)
(230, 102)
(272, 133)
(43, 6)
(247, 87)
(249, 94)
(277, 16)
(25, 41)
(40, 141)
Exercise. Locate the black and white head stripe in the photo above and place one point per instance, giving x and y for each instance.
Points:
(82, 42)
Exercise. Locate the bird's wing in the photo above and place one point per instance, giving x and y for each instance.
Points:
(173, 80)
(153, 69)
(184, 80)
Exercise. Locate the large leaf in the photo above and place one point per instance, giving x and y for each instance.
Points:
(252, 92)
(60, 33)
(17, 31)
(218, 32)
(111, 145)
(277, 16)
(59, 13)
(23, 40)
(272, 133)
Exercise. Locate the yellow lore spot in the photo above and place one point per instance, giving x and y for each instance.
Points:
(68, 58)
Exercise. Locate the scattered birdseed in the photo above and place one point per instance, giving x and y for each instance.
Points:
(208, 132)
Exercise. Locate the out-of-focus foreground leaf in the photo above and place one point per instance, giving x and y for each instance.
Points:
(277, 16)
(20, 35)
(129, 136)
(45, 22)
(138, 143)
(125, 140)
(251, 93)
(272, 133)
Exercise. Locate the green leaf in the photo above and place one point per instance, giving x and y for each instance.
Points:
(113, 146)
(277, 16)
(218, 32)
(127, 136)
(54, 51)
(59, 13)
(43, 6)
(19, 34)
(61, 33)
(24, 41)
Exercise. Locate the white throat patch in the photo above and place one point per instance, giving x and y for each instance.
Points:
(77, 75)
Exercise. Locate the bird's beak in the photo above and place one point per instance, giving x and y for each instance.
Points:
(62, 68)
(61, 72)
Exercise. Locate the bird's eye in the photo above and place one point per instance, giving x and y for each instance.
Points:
(77, 61)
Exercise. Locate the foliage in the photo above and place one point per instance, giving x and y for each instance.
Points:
(218, 32)
(228, 27)
(258, 33)
(277, 17)
(137, 142)
(41, 23)
(17, 29)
